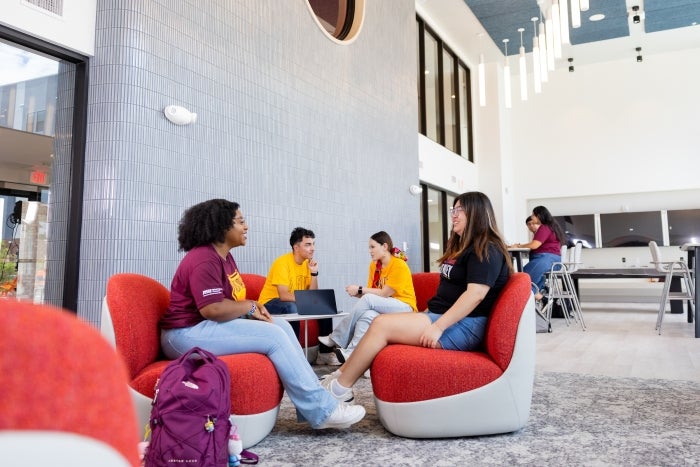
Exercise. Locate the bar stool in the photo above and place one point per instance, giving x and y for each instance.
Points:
(560, 286)
(670, 269)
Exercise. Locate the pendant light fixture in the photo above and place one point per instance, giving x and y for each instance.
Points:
(575, 14)
(544, 75)
(585, 5)
(523, 67)
(506, 77)
(549, 37)
(564, 21)
(556, 28)
(482, 73)
(536, 58)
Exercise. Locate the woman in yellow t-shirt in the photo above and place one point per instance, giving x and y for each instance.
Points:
(389, 290)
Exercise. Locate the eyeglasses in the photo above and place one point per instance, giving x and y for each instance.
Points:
(456, 211)
(241, 220)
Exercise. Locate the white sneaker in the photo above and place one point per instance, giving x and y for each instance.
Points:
(327, 359)
(347, 397)
(327, 341)
(343, 416)
(334, 375)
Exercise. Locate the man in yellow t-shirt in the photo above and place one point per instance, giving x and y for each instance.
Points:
(297, 270)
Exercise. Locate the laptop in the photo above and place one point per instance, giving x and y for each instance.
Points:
(315, 302)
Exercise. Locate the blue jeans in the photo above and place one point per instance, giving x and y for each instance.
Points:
(276, 340)
(538, 266)
(465, 334)
(352, 327)
(278, 307)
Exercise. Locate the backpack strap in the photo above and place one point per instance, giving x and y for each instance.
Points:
(248, 457)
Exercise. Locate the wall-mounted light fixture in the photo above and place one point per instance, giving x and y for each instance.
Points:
(415, 189)
(179, 115)
(639, 54)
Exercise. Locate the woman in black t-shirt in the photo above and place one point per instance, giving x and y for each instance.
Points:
(473, 271)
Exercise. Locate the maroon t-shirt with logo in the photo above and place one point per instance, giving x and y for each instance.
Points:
(550, 244)
(202, 278)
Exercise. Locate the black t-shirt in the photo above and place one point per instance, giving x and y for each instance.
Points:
(467, 268)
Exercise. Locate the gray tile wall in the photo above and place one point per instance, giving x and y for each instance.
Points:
(299, 130)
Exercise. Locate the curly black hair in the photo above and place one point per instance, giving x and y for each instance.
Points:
(206, 223)
(298, 235)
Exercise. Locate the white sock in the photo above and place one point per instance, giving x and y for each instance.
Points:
(338, 389)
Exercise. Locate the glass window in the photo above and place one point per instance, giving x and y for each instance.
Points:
(419, 82)
(444, 94)
(631, 228)
(432, 91)
(449, 100)
(435, 225)
(683, 226)
(339, 18)
(465, 115)
(437, 212)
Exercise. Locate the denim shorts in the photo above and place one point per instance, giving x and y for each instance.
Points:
(465, 334)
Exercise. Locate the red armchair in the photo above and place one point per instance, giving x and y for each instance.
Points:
(64, 399)
(430, 393)
(131, 309)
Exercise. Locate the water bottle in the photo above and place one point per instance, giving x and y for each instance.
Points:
(235, 446)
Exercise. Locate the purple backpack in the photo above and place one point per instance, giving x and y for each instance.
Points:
(190, 413)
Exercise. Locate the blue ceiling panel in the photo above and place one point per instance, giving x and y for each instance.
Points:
(502, 18)
(614, 24)
(670, 14)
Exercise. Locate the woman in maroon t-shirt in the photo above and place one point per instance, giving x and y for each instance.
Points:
(545, 248)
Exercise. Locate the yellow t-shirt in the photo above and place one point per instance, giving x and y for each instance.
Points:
(396, 275)
(285, 271)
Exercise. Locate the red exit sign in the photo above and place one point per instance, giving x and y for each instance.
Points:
(38, 178)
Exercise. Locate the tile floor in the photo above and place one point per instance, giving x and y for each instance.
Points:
(620, 340)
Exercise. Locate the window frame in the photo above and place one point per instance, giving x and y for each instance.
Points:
(461, 148)
(71, 270)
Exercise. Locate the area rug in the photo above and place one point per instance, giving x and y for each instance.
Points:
(575, 420)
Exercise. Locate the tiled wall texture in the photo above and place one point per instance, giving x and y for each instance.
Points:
(301, 131)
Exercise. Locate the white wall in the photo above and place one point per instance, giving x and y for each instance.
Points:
(74, 30)
(610, 137)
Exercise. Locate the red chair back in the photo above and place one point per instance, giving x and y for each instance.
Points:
(136, 303)
(504, 320)
(425, 285)
(60, 374)
(253, 285)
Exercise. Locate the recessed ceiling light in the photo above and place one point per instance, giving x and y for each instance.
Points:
(597, 17)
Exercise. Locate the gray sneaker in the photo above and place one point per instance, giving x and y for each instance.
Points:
(342, 354)
(327, 341)
(343, 416)
(348, 397)
(328, 358)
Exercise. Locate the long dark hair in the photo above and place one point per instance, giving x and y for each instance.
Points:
(206, 223)
(546, 218)
(481, 229)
